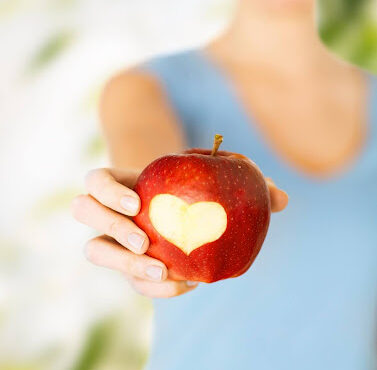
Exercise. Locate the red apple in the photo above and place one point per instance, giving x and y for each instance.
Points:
(206, 213)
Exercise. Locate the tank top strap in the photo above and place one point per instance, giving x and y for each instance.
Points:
(200, 97)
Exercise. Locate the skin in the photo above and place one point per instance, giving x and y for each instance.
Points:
(318, 126)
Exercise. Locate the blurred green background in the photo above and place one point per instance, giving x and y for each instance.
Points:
(349, 28)
(57, 311)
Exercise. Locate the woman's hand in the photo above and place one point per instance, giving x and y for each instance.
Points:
(107, 208)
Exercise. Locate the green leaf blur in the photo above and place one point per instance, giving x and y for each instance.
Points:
(349, 28)
(50, 50)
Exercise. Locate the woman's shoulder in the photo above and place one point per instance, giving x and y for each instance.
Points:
(143, 85)
(145, 79)
(132, 85)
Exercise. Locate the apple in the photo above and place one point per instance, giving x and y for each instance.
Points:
(206, 213)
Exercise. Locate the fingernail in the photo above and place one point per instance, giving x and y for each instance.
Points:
(154, 272)
(130, 204)
(191, 283)
(136, 241)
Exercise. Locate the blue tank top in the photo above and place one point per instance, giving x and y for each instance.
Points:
(309, 300)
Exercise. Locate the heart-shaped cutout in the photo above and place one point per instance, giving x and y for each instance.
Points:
(187, 226)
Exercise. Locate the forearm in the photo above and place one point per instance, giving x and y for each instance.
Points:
(137, 147)
(137, 120)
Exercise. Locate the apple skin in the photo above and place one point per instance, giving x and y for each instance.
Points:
(227, 178)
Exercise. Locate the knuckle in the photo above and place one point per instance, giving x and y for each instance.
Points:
(127, 264)
(105, 190)
(103, 185)
(114, 228)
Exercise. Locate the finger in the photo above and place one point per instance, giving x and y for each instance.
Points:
(104, 251)
(279, 198)
(105, 186)
(92, 213)
(166, 289)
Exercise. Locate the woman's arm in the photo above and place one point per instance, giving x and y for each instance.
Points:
(139, 126)
(138, 123)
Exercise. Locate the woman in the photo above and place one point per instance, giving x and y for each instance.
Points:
(308, 120)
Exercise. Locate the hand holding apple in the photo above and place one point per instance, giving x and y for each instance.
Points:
(105, 210)
(206, 213)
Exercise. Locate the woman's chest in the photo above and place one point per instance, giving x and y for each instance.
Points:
(318, 127)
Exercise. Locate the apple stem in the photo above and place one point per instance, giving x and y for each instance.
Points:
(216, 144)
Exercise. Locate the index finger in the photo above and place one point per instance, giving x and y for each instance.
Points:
(112, 188)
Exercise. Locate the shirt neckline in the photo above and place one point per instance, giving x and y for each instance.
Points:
(280, 163)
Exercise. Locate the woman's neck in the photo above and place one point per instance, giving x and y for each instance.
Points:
(286, 39)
